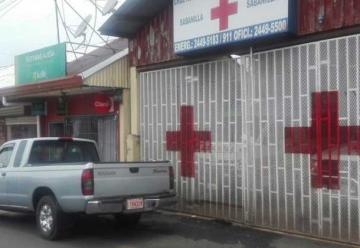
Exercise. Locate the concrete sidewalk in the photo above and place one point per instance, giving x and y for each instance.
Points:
(203, 233)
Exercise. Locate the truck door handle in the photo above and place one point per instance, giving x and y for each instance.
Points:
(3, 174)
(134, 170)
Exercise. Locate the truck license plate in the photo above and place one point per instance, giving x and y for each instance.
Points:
(135, 204)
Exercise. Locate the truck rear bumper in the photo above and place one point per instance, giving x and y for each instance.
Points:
(113, 206)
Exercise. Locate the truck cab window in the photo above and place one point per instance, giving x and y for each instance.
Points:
(60, 151)
(5, 155)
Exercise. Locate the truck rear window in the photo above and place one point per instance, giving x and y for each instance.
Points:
(62, 151)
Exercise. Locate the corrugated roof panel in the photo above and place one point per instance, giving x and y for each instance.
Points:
(116, 75)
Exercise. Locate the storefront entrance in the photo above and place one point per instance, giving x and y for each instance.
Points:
(103, 130)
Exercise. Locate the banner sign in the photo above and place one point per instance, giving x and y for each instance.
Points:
(41, 65)
(201, 24)
(39, 108)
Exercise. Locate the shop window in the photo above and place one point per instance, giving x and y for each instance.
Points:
(22, 131)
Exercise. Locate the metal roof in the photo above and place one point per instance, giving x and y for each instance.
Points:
(96, 56)
(131, 16)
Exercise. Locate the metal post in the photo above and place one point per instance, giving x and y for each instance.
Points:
(57, 22)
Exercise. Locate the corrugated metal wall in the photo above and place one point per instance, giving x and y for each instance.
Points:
(116, 75)
(325, 15)
(154, 42)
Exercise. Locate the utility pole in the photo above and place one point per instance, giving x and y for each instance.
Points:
(57, 21)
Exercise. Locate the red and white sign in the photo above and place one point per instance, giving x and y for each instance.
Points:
(200, 24)
(103, 104)
(135, 204)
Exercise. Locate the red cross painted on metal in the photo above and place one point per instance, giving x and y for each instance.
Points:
(325, 140)
(223, 12)
(188, 141)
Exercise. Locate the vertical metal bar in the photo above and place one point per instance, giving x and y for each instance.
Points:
(347, 63)
(196, 159)
(155, 121)
(268, 137)
(222, 136)
(151, 99)
(301, 123)
(358, 123)
(38, 126)
(276, 142)
(245, 170)
(229, 83)
(236, 203)
(57, 22)
(283, 96)
(293, 123)
(309, 157)
(216, 142)
(328, 89)
(210, 124)
(203, 119)
(198, 127)
(337, 82)
(142, 105)
(253, 135)
(319, 191)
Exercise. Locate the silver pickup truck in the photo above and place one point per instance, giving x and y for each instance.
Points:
(58, 177)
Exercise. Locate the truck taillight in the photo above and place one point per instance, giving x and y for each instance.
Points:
(87, 182)
(171, 177)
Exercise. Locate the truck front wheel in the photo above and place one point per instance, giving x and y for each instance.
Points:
(49, 218)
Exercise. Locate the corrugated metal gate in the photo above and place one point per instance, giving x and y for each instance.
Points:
(257, 173)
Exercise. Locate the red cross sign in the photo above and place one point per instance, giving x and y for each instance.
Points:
(223, 12)
(325, 140)
(188, 141)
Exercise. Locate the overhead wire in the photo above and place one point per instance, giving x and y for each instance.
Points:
(15, 3)
(78, 14)
(66, 31)
(5, 4)
(93, 31)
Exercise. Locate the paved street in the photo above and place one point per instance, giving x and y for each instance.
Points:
(155, 231)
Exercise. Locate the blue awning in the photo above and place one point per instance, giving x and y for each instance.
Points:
(131, 16)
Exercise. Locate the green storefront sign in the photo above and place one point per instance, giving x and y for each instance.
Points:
(41, 65)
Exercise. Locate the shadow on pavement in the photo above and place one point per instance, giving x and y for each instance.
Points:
(155, 230)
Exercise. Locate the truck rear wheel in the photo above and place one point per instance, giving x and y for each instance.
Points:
(128, 219)
(49, 218)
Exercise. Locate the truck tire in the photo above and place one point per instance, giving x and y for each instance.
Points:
(128, 219)
(49, 218)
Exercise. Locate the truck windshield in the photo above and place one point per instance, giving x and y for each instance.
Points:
(62, 151)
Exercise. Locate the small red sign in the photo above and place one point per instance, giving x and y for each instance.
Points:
(103, 104)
